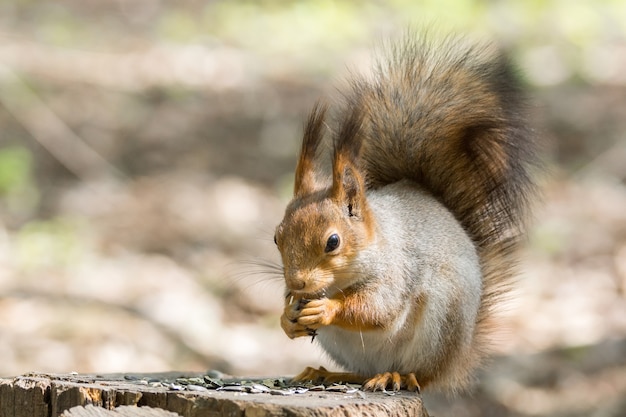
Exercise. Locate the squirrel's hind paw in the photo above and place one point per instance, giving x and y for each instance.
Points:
(380, 382)
(392, 380)
(323, 376)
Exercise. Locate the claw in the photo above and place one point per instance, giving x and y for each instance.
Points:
(392, 380)
(411, 383)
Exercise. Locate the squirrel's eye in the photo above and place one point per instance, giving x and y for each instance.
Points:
(275, 242)
(332, 243)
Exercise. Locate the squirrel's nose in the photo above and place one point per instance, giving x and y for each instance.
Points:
(295, 282)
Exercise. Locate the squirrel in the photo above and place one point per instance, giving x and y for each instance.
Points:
(397, 258)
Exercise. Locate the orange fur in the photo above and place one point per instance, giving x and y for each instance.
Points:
(400, 261)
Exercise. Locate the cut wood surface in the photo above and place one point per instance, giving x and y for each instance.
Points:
(175, 394)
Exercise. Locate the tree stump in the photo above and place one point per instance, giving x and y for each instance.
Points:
(174, 394)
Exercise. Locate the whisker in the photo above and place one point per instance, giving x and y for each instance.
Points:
(252, 272)
(263, 263)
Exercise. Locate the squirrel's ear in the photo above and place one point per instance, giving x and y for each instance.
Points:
(348, 184)
(349, 190)
(313, 131)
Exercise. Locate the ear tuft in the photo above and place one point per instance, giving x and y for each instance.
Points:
(349, 140)
(304, 183)
(348, 183)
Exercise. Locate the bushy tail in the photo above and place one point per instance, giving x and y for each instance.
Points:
(450, 115)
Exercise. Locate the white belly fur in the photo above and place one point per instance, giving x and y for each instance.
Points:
(376, 351)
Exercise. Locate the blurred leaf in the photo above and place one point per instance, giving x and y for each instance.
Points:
(49, 243)
(15, 169)
(17, 187)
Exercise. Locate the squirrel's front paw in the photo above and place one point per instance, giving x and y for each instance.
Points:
(303, 317)
(317, 313)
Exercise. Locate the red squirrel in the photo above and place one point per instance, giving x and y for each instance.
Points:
(396, 260)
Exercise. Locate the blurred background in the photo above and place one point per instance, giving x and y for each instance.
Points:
(146, 154)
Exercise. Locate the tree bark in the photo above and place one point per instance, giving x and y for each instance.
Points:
(144, 395)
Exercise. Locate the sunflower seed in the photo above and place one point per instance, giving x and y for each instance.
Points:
(337, 388)
(212, 382)
(232, 388)
(259, 388)
(193, 387)
(195, 380)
